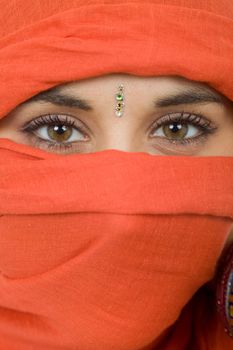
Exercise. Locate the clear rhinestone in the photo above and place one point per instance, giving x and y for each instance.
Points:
(118, 113)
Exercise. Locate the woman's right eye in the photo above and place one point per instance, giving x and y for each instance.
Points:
(60, 133)
(52, 131)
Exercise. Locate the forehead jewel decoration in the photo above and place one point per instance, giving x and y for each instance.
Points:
(119, 101)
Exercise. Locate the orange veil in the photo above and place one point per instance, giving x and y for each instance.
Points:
(111, 250)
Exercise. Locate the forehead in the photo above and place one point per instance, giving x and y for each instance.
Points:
(162, 91)
(131, 84)
(115, 79)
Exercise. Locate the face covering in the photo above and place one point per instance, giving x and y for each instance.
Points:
(111, 250)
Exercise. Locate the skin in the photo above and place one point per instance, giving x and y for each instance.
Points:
(130, 133)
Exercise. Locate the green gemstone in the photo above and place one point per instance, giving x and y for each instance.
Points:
(119, 97)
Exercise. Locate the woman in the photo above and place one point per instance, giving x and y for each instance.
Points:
(124, 243)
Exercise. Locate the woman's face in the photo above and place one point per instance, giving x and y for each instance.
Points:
(162, 116)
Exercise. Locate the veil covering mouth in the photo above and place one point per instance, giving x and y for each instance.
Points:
(111, 250)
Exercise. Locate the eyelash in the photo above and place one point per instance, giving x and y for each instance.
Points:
(48, 120)
(196, 119)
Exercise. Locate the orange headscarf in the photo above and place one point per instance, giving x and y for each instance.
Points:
(109, 250)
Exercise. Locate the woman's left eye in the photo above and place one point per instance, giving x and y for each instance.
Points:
(177, 131)
(182, 127)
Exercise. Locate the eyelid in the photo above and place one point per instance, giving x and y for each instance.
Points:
(185, 117)
(76, 122)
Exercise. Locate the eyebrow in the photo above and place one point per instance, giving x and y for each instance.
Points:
(191, 96)
(56, 97)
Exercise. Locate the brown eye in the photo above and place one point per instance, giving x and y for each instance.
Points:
(59, 133)
(175, 130)
(182, 127)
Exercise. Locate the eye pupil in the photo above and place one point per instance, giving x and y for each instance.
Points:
(175, 130)
(175, 127)
(59, 133)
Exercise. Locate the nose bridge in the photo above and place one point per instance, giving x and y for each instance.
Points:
(122, 144)
(119, 134)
